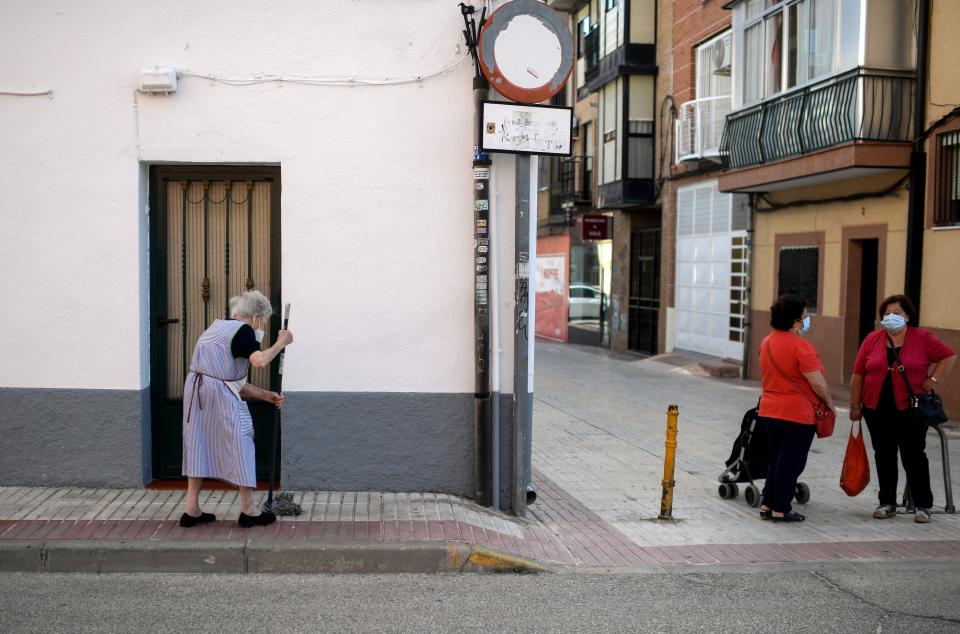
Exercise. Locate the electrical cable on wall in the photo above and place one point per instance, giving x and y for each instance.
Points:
(323, 81)
(664, 160)
(28, 93)
(348, 82)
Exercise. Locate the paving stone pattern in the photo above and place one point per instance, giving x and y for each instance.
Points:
(599, 426)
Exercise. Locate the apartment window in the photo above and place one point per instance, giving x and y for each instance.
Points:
(785, 44)
(800, 273)
(947, 180)
(640, 144)
(560, 99)
(583, 30)
(612, 4)
(713, 67)
(611, 111)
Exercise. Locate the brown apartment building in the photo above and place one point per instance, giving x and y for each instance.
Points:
(708, 243)
(599, 236)
(826, 100)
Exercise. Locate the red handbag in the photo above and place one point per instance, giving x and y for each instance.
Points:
(855, 474)
(825, 418)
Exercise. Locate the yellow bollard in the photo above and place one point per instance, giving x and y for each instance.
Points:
(666, 502)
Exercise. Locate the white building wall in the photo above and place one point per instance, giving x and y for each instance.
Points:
(376, 198)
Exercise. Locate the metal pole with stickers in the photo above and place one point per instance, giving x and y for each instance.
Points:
(524, 50)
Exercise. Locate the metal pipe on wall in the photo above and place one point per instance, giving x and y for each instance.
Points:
(522, 401)
(496, 346)
(916, 212)
(532, 320)
(481, 256)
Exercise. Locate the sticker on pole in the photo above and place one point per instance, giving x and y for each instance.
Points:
(526, 51)
(513, 128)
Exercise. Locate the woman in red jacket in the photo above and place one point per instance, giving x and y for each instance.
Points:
(792, 383)
(879, 394)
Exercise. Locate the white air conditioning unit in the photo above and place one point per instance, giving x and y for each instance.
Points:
(158, 81)
(722, 55)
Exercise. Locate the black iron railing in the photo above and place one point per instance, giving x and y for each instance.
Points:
(591, 52)
(576, 179)
(860, 105)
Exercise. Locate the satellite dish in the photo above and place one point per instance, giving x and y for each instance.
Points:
(526, 51)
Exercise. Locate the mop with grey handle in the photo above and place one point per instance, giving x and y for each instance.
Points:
(284, 504)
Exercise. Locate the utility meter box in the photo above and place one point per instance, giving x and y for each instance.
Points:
(158, 81)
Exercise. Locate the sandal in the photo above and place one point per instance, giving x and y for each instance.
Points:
(765, 514)
(922, 516)
(884, 511)
(789, 516)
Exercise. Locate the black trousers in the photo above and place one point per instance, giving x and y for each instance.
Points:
(789, 446)
(892, 430)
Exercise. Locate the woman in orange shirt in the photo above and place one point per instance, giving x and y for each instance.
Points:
(792, 383)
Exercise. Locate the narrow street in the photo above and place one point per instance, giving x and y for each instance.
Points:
(864, 598)
(599, 431)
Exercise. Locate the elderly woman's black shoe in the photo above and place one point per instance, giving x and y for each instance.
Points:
(249, 521)
(789, 516)
(186, 521)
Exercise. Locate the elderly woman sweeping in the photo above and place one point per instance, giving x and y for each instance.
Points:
(217, 427)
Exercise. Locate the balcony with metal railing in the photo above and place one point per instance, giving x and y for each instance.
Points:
(860, 105)
(699, 128)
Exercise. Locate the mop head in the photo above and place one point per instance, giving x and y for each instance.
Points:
(283, 504)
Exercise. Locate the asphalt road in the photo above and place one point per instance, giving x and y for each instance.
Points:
(901, 597)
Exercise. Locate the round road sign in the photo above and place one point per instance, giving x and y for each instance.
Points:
(526, 51)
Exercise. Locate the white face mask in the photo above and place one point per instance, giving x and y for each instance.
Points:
(893, 322)
(258, 333)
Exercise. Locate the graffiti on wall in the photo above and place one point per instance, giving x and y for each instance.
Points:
(551, 297)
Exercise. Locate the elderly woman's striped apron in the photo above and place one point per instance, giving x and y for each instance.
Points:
(217, 428)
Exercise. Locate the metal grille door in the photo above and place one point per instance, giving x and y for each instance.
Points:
(644, 290)
(213, 238)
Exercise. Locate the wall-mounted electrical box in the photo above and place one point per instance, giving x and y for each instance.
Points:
(158, 81)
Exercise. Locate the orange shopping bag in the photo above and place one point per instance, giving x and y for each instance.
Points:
(855, 474)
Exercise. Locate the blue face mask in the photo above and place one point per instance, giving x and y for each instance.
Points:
(806, 325)
(893, 322)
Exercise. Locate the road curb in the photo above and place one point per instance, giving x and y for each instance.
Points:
(21, 556)
(257, 556)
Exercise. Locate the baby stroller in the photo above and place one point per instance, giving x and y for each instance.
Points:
(748, 462)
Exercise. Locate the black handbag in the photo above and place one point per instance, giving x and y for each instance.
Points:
(927, 407)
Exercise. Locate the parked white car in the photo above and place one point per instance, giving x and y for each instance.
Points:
(585, 302)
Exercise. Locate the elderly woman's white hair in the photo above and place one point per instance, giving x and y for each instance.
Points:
(250, 304)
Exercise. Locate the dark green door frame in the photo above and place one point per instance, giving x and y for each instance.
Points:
(166, 413)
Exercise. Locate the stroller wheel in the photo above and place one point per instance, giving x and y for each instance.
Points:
(752, 496)
(727, 490)
(803, 493)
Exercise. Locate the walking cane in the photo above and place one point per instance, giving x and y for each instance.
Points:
(284, 504)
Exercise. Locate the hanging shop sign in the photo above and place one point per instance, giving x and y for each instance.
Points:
(526, 51)
(519, 129)
(596, 227)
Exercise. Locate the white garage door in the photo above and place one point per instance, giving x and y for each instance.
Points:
(712, 267)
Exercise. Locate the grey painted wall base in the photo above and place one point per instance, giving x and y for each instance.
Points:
(374, 441)
(89, 438)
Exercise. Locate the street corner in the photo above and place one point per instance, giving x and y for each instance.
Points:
(483, 559)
